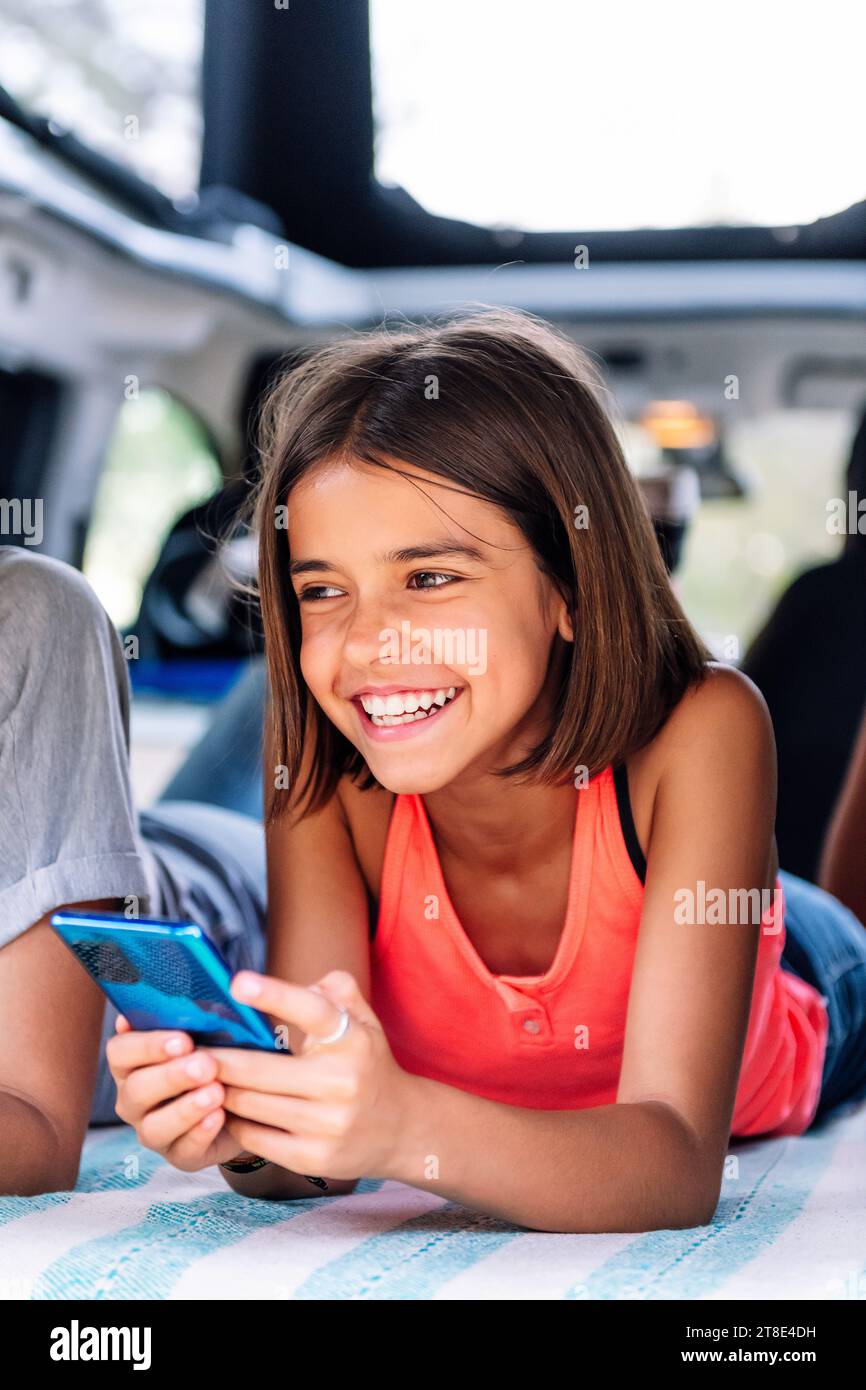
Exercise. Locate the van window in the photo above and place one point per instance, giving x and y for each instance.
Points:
(160, 462)
(618, 116)
(741, 554)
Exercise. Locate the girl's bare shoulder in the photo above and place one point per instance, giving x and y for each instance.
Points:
(725, 709)
(727, 701)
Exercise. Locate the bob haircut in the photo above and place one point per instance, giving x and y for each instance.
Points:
(519, 421)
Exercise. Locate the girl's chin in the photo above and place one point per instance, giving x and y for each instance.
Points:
(406, 772)
(406, 784)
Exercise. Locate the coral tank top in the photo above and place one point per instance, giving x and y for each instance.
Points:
(523, 1039)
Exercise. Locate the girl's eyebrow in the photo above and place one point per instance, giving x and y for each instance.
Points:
(405, 555)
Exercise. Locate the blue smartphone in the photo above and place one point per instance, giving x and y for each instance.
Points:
(163, 974)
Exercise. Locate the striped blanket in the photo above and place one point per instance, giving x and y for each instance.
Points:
(791, 1223)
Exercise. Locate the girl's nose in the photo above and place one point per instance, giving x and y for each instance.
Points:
(371, 630)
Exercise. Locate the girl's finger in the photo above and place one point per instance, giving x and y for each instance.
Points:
(147, 1087)
(299, 1154)
(162, 1127)
(314, 1077)
(303, 1117)
(189, 1150)
(128, 1051)
(288, 1003)
(122, 1025)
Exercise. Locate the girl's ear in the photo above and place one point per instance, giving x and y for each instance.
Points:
(553, 605)
(564, 624)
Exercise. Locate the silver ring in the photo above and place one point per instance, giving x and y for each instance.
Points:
(338, 1033)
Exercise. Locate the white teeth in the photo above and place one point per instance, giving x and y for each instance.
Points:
(405, 708)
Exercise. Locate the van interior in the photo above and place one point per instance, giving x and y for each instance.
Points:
(158, 262)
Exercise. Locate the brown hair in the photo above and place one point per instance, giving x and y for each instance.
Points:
(518, 421)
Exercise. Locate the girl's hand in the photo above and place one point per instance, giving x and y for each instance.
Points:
(337, 1109)
(168, 1092)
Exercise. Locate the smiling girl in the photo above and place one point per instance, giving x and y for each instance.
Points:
(477, 868)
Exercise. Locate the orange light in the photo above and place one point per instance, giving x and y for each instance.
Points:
(678, 425)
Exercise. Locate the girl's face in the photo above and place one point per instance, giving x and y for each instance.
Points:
(416, 597)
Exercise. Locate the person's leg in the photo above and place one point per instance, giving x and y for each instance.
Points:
(225, 767)
(216, 858)
(825, 944)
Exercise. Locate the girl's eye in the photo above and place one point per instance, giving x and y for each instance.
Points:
(435, 574)
(315, 592)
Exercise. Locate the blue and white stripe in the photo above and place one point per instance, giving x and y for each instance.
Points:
(790, 1224)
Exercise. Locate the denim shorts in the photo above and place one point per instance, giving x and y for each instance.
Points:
(825, 944)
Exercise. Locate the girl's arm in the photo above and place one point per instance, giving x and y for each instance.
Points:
(655, 1158)
(842, 869)
(318, 920)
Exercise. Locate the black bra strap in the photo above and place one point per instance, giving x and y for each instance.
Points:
(626, 820)
(373, 913)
